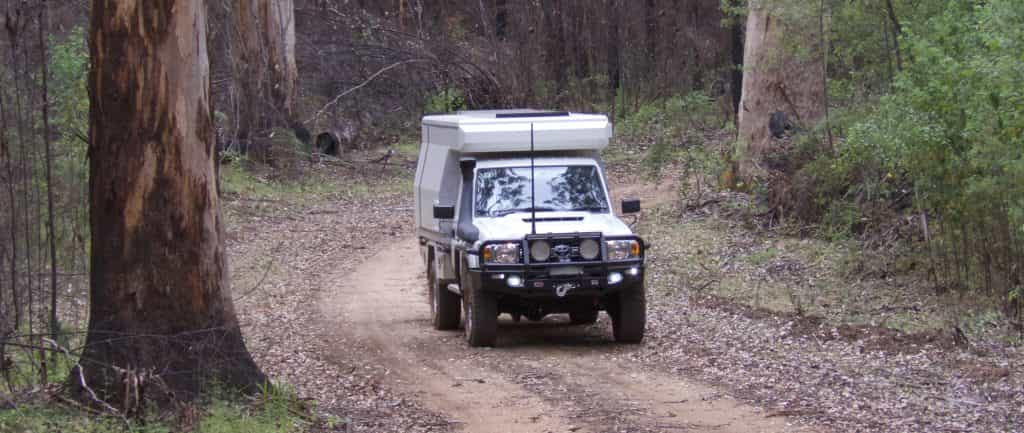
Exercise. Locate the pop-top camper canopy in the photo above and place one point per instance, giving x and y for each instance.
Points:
(468, 132)
(451, 138)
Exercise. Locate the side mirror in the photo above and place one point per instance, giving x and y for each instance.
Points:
(630, 206)
(444, 212)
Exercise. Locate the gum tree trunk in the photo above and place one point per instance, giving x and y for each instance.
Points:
(263, 48)
(159, 294)
(777, 77)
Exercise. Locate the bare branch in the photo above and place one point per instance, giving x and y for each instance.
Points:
(81, 381)
(363, 84)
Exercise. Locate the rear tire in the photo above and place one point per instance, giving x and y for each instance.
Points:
(628, 311)
(481, 311)
(444, 305)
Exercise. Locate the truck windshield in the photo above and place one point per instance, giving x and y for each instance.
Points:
(504, 190)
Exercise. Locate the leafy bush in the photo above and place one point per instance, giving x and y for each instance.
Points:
(669, 127)
(445, 101)
(702, 167)
(673, 117)
(949, 135)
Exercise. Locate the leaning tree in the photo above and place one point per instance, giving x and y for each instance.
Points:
(160, 303)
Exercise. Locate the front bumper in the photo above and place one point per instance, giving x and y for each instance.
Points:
(564, 275)
(560, 281)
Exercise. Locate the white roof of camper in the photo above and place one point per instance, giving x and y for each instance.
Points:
(509, 131)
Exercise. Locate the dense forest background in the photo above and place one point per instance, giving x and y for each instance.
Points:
(895, 123)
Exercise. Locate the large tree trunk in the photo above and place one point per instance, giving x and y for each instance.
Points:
(612, 57)
(263, 47)
(159, 293)
(776, 79)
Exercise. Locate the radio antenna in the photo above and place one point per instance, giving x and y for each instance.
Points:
(533, 187)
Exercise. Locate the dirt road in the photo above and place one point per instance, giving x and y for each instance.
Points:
(541, 377)
(332, 300)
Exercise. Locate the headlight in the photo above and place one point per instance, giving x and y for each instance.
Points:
(589, 249)
(624, 249)
(502, 254)
(540, 251)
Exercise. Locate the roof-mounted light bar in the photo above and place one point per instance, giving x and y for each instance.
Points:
(531, 114)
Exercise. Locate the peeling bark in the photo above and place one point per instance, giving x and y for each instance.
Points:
(159, 293)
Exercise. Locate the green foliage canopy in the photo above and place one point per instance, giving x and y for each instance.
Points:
(955, 118)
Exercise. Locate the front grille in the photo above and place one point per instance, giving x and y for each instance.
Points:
(563, 250)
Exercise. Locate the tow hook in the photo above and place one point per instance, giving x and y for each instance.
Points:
(562, 289)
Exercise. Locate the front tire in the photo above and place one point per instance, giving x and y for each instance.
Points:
(444, 305)
(628, 311)
(481, 311)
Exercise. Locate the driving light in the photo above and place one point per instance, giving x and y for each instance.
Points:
(614, 278)
(623, 249)
(589, 249)
(633, 272)
(502, 254)
(514, 281)
(540, 251)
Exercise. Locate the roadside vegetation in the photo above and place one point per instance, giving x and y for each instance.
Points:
(275, 410)
(912, 221)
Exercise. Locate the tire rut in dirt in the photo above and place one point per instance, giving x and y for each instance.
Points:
(378, 311)
(593, 383)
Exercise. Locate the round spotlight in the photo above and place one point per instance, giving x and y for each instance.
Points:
(614, 278)
(540, 251)
(589, 249)
(514, 281)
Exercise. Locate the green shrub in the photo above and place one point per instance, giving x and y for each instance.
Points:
(669, 127)
(673, 117)
(703, 167)
(445, 101)
(950, 135)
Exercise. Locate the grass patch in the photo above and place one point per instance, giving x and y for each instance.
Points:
(241, 180)
(38, 417)
(276, 410)
(408, 147)
(837, 280)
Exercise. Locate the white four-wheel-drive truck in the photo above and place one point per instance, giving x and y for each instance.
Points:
(514, 217)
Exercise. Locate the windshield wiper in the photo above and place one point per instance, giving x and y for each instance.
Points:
(503, 212)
